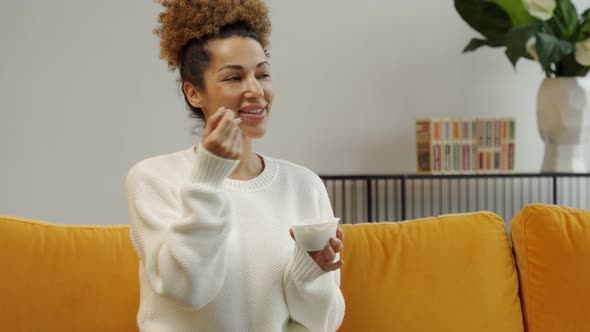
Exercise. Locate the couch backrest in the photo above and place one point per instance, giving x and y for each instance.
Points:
(66, 278)
(450, 273)
(552, 246)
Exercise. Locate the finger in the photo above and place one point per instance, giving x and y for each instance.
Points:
(240, 144)
(340, 233)
(222, 133)
(213, 127)
(236, 141)
(226, 123)
(236, 133)
(213, 121)
(328, 254)
(333, 266)
(336, 244)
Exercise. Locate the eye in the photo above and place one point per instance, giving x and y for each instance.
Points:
(264, 75)
(231, 78)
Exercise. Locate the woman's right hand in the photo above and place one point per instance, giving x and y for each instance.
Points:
(222, 136)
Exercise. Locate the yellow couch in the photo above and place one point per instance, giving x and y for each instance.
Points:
(448, 273)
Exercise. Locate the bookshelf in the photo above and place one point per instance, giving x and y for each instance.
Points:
(463, 146)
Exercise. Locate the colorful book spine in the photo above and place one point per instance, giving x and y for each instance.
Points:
(447, 146)
(504, 145)
(423, 145)
(466, 146)
(497, 145)
(456, 146)
(474, 146)
(481, 145)
(489, 136)
(511, 143)
(436, 146)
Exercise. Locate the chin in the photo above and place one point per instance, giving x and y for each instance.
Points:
(255, 132)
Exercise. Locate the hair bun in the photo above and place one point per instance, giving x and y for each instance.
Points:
(184, 20)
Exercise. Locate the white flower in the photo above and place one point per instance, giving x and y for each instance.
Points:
(531, 48)
(541, 9)
(583, 52)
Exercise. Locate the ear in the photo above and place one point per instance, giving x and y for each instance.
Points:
(194, 96)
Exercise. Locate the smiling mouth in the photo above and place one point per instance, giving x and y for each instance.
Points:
(252, 115)
(257, 111)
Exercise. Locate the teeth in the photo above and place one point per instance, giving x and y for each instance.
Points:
(252, 111)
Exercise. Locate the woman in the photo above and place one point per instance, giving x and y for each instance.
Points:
(211, 223)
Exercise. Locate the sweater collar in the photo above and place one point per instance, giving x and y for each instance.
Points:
(268, 175)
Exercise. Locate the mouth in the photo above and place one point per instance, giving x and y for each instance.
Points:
(253, 112)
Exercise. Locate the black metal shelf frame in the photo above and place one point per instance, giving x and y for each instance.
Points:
(370, 198)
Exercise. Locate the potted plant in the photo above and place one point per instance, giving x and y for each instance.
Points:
(554, 34)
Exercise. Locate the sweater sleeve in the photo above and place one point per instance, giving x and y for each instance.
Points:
(181, 235)
(313, 296)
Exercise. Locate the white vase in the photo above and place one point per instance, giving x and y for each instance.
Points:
(563, 118)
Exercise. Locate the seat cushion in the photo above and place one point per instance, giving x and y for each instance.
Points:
(66, 278)
(552, 246)
(449, 273)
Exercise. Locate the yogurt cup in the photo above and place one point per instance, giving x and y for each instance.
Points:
(315, 234)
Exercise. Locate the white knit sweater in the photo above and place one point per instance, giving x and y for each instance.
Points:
(215, 253)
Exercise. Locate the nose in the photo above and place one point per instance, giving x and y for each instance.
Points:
(253, 88)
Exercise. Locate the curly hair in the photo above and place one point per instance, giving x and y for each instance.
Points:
(186, 20)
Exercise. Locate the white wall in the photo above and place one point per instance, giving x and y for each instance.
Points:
(83, 94)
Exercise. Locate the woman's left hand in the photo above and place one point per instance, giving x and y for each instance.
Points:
(325, 257)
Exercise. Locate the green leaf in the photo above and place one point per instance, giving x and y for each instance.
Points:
(552, 50)
(584, 27)
(565, 19)
(569, 67)
(485, 17)
(516, 10)
(516, 40)
(512, 56)
(585, 31)
(476, 43)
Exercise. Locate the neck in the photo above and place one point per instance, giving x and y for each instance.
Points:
(250, 166)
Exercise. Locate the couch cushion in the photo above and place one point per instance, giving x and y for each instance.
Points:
(449, 273)
(66, 278)
(552, 246)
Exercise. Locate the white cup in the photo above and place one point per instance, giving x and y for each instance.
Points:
(314, 234)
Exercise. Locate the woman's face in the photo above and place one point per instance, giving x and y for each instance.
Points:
(238, 78)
